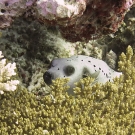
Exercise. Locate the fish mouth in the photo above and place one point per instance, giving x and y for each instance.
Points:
(47, 78)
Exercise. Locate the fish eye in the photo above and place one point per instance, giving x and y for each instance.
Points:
(69, 70)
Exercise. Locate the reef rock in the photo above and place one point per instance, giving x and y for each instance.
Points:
(78, 20)
(9, 9)
(81, 20)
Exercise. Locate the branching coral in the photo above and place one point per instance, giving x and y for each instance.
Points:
(7, 70)
(101, 109)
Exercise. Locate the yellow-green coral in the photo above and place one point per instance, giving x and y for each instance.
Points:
(101, 109)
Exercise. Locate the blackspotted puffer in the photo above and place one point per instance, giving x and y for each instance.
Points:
(78, 67)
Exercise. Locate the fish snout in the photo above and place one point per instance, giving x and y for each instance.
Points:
(47, 78)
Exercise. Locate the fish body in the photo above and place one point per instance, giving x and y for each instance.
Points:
(78, 67)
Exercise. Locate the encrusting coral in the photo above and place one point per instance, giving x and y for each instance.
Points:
(7, 71)
(101, 109)
(79, 20)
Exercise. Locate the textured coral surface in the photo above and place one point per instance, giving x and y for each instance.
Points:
(100, 17)
(10, 9)
(78, 20)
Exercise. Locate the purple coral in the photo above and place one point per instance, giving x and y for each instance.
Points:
(59, 11)
(47, 9)
(10, 9)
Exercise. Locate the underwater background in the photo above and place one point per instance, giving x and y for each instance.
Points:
(36, 109)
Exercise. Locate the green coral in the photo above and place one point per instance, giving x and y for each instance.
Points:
(101, 109)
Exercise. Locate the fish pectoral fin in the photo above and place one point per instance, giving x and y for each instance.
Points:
(95, 75)
(86, 73)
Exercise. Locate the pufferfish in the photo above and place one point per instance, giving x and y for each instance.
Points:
(78, 67)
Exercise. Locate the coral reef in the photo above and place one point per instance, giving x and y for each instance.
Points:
(7, 71)
(125, 35)
(60, 11)
(22, 115)
(32, 46)
(91, 48)
(79, 20)
(33, 108)
(10, 9)
(100, 109)
(35, 40)
(111, 59)
(36, 84)
(99, 18)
